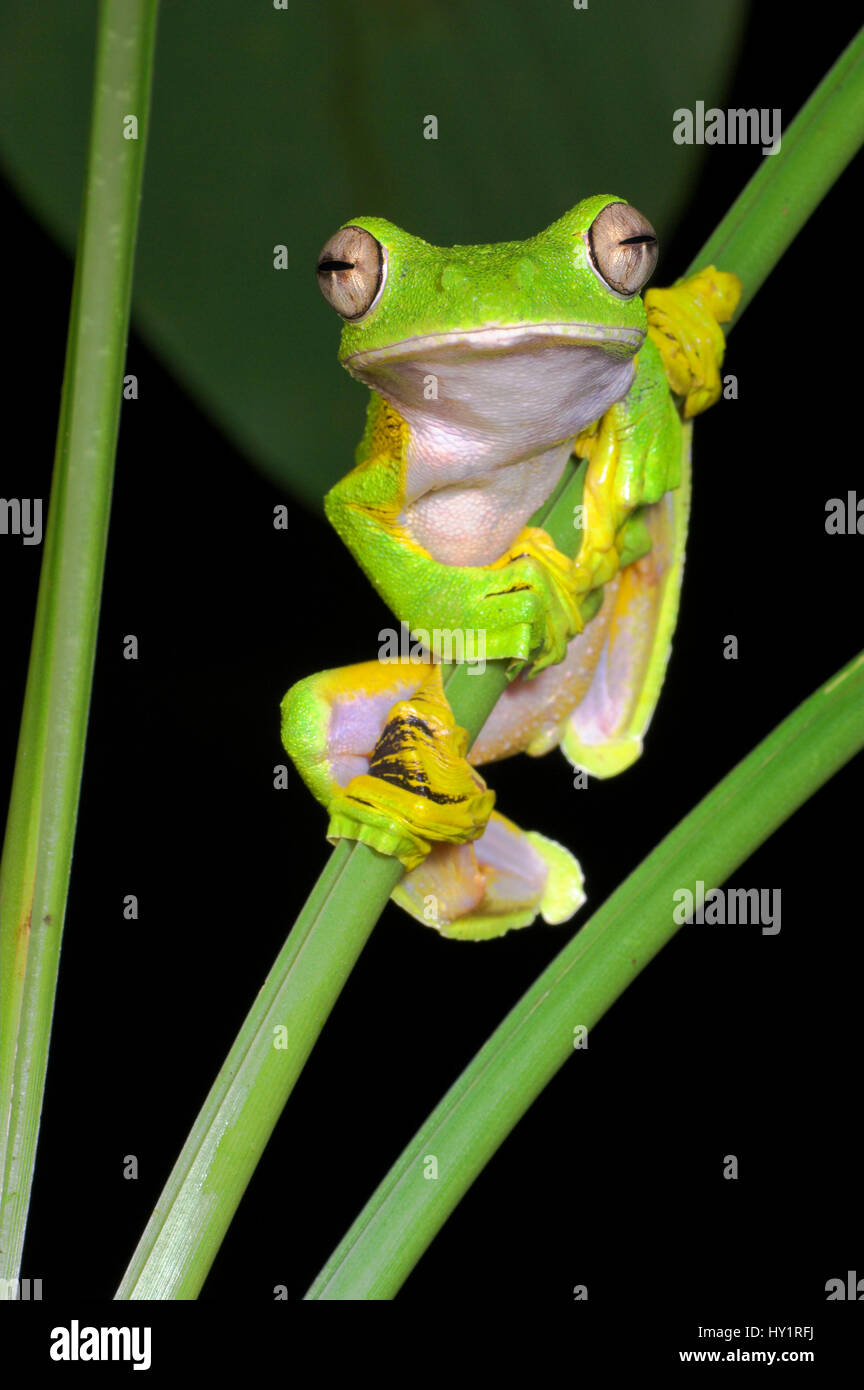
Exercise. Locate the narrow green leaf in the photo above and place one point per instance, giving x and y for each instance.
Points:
(275, 125)
(788, 186)
(40, 830)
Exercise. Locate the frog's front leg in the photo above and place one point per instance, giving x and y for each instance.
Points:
(375, 744)
(522, 602)
(635, 448)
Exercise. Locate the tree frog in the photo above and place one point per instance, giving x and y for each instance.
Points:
(492, 370)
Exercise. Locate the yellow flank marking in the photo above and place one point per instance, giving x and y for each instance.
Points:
(605, 513)
(389, 437)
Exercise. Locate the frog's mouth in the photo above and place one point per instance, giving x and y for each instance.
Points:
(496, 339)
(503, 393)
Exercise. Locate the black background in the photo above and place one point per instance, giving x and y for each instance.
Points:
(731, 1042)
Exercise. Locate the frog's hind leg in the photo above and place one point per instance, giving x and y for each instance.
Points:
(469, 876)
(378, 745)
(332, 720)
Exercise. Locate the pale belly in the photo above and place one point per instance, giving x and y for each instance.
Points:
(474, 525)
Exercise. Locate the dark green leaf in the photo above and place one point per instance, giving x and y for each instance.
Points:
(271, 127)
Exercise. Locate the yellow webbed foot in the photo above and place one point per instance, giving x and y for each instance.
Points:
(684, 323)
(419, 788)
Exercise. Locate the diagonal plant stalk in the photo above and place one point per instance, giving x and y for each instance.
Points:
(210, 1176)
(536, 1038)
(40, 830)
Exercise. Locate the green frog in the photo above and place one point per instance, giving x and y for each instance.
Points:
(492, 370)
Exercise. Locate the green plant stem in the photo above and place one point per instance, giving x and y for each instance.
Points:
(798, 177)
(787, 187)
(589, 974)
(40, 830)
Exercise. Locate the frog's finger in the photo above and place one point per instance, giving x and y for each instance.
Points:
(604, 733)
(499, 882)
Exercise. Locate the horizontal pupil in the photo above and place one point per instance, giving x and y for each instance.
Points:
(637, 241)
(336, 265)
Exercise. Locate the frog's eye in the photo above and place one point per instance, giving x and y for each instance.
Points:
(623, 247)
(351, 272)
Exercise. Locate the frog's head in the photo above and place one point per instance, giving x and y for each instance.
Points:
(556, 319)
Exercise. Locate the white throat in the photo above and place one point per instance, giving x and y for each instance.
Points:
(492, 415)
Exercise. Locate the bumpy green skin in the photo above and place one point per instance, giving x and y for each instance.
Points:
(435, 289)
(649, 434)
